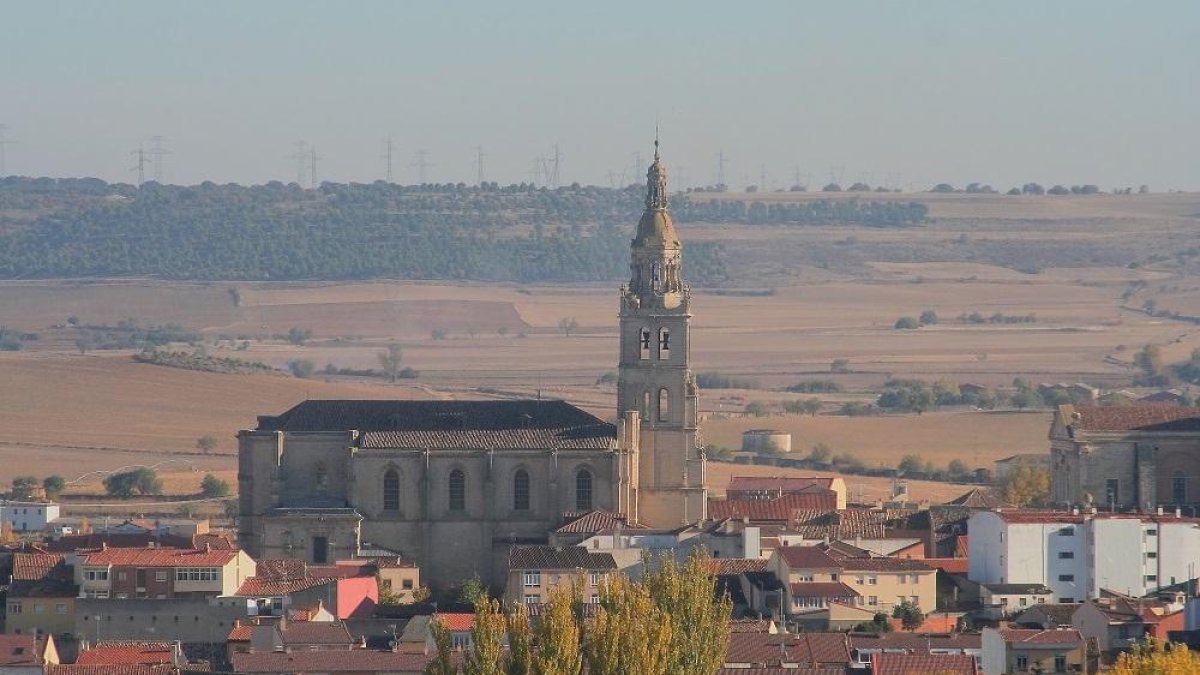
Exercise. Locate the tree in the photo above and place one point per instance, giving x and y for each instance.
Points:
(520, 641)
(298, 336)
(568, 325)
(630, 633)
(1154, 657)
(756, 409)
(141, 481)
(302, 368)
(957, 468)
(911, 617)
(686, 593)
(557, 636)
(928, 317)
(389, 360)
(207, 443)
(7, 536)
(811, 406)
(472, 591)
(839, 366)
(211, 486)
(487, 637)
(942, 187)
(1025, 486)
(54, 485)
(911, 463)
(23, 486)
(906, 323)
(1025, 398)
(820, 453)
(443, 660)
(85, 526)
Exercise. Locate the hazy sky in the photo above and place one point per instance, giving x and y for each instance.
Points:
(904, 93)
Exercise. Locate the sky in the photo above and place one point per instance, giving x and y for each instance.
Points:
(905, 94)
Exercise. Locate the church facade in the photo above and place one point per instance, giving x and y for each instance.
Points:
(454, 484)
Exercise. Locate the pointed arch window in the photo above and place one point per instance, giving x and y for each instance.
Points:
(583, 490)
(644, 338)
(664, 404)
(391, 490)
(521, 490)
(1179, 488)
(664, 343)
(321, 478)
(457, 486)
(645, 405)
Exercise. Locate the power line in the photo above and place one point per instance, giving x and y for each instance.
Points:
(140, 167)
(4, 143)
(301, 157)
(157, 151)
(422, 164)
(388, 151)
(479, 164)
(313, 165)
(721, 168)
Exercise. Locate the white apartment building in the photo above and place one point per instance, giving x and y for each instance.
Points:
(1077, 554)
(28, 516)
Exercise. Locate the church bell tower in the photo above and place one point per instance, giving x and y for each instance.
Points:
(654, 376)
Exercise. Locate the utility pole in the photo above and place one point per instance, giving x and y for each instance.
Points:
(4, 143)
(422, 163)
(313, 166)
(388, 150)
(554, 175)
(141, 164)
(301, 156)
(721, 168)
(157, 151)
(479, 164)
(762, 184)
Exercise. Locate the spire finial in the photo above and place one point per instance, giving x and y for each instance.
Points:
(656, 141)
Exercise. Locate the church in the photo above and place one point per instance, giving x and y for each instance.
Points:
(454, 484)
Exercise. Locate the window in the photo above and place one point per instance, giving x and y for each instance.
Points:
(914, 600)
(1022, 663)
(901, 579)
(1179, 488)
(664, 404)
(833, 576)
(197, 574)
(533, 578)
(872, 600)
(458, 490)
(14, 608)
(1151, 554)
(122, 576)
(39, 609)
(645, 405)
(1003, 601)
(1023, 601)
(95, 575)
(872, 580)
(1067, 601)
(533, 599)
(160, 575)
(1152, 533)
(806, 577)
(583, 490)
(521, 490)
(644, 343)
(1066, 577)
(595, 599)
(60, 608)
(1151, 578)
(1060, 663)
(859, 579)
(1066, 555)
(1112, 492)
(596, 577)
(406, 584)
(1067, 532)
(391, 490)
(664, 344)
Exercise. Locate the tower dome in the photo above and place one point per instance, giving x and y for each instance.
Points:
(656, 229)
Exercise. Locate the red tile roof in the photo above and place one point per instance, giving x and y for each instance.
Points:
(777, 483)
(455, 621)
(240, 633)
(785, 508)
(338, 661)
(923, 664)
(591, 522)
(159, 557)
(749, 625)
(262, 587)
(726, 566)
(821, 589)
(109, 669)
(41, 575)
(1133, 418)
(806, 557)
(883, 565)
(807, 649)
(949, 565)
(1037, 636)
(33, 566)
(119, 652)
(278, 569)
(79, 542)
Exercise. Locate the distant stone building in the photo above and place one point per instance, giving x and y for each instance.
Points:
(454, 484)
(1131, 457)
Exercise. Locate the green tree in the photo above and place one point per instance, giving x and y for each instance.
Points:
(23, 486)
(911, 617)
(906, 323)
(568, 325)
(686, 593)
(472, 591)
(142, 481)
(54, 485)
(1025, 398)
(302, 368)
(298, 336)
(839, 366)
(957, 468)
(211, 486)
(911, 463)
(1025, 486)
(756, 409)
(928, 317)
(390, 359)
(443, 659)
(820, 453)
(630, 633)
(207, 443)
(486, 656)
(557, 636)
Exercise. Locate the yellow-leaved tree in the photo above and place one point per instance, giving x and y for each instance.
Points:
(443, 661)
(520, 641)
(629, 633)
(487, 637)
(699, 620)
(557, 636)
(1156, 658)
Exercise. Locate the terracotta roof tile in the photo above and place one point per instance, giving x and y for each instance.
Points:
(1133, 418)
(777, 483)
(119, 652)
(979, 498)
(455, 621)
(915, 642)
(558, 558)
(948, 565)
(806, 649)
(41, 575)
(281, 569)
(322, 661)
(821, 589)
(261, 587)
(20, 650)
(888, 663)
(726, 566)
(591, 522)
(806, 557)
(159, 557)
(781, 509)
(1036, 636)
(95, 541)
(240, 633)
(108, 669)
(749, 625)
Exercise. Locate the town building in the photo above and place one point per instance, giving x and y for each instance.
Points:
(41, 595)
(28, 516)
(1077, 554)
(534, 572)
(453, 484)
(1026, 650)
(27, 654)
(161, 573)
(1136, 457)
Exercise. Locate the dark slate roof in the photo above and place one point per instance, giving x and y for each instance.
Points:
(523, 424)
(980, 498)
(558, 558)
(1018, 589)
